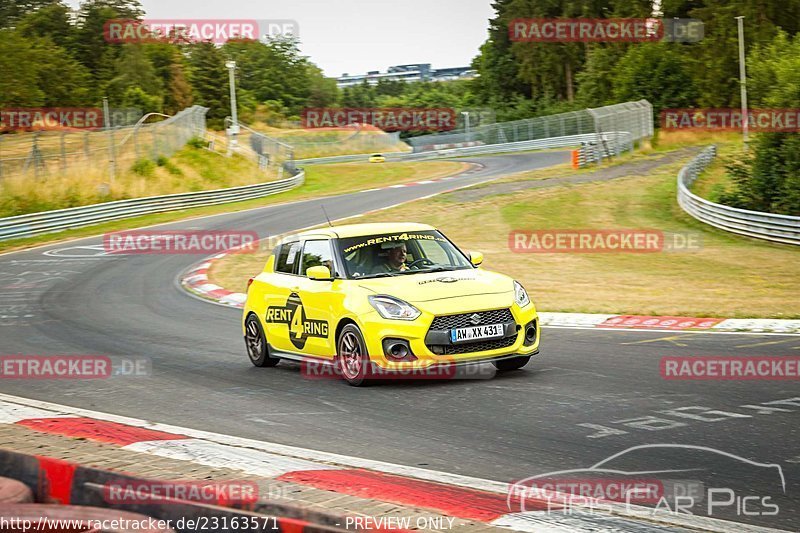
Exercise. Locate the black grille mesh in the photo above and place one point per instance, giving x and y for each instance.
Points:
(497, 316)
(482, 346)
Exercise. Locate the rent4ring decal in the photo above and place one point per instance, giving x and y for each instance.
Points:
(300, 327)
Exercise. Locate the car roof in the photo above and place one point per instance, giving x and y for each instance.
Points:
(357, 230)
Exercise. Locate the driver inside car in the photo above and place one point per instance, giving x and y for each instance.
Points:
(395, 259)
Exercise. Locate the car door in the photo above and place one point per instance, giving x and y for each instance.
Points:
(320, 301)
(281, 299)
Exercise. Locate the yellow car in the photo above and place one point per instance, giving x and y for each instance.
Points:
(370, 300)
(377, 158)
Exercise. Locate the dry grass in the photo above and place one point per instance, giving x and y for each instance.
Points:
(191, 169)
(318, 183)
(730, 276)
(671, 140)
(323, 142)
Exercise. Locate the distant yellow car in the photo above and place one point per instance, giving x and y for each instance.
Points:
(385, 298)
(377, 158)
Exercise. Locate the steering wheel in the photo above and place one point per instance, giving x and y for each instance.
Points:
(424, 261)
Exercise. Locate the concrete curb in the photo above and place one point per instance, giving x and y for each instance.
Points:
(66, 483)
(452, 495)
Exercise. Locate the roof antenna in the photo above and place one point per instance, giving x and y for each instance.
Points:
(326, 215)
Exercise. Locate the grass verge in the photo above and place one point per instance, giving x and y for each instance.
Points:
(321, 180)
(729, 276)
(190, 169)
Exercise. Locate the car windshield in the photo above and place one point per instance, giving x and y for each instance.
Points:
(401, 253)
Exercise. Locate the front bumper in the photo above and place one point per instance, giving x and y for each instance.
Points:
(425, 342)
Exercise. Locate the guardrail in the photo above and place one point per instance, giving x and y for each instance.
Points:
(622, 138)
(772, 227)
(76, 217)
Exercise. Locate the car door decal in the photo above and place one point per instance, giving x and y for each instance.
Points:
(293, 314)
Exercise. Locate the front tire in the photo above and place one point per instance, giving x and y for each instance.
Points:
(351, 356)
(256, 343)
(513, 363)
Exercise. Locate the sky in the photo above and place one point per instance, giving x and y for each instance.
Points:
(355, 36)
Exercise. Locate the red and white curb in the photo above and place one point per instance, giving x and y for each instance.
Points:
(449, 494)
(196, 281)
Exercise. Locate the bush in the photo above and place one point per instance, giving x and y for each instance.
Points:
(197, 142)
(769, 180)
(143, 167)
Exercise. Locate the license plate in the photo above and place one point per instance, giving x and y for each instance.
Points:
(473, 333)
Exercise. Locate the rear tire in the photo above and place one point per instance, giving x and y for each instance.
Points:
(514, 363)
(256, 343)
(351, 356)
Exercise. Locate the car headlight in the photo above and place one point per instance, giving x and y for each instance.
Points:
(390, 307)
(520, 295)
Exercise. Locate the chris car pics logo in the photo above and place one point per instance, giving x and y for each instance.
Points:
(682, 479)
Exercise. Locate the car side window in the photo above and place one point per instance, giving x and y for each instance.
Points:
(287, 258)
(316, 253)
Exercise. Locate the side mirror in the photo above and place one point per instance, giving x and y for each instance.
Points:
(319, 273)
(476, 258)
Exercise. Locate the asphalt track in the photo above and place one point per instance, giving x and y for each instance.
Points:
(589, 395)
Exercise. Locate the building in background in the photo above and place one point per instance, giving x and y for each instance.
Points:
(408, 73)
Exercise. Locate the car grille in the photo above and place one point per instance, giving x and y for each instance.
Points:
(496, 316)
(482, 346)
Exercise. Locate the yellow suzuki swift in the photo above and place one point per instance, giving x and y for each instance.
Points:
(384, 300)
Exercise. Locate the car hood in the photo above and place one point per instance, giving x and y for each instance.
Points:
(440, 285)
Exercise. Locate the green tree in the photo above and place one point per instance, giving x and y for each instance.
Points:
(362, 95)
(208, 75)
(63, 80)
(11, 11)
(51, 21)
(594, 81)
(657, 72)
(274, 70)
(179, 91)
(89, 44)
(19, 84)
(770, 179)
(170, 68)
(134, 70)
(322, 91)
